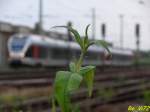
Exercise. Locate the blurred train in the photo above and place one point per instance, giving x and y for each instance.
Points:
(35, 50)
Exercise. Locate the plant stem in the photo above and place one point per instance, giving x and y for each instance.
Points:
(80, 61)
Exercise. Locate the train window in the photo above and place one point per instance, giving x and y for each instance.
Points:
(43, 52)
(120, 57)
(17, 44)
(115, 57)
(91, 55)
(77, 53)
(58, 53)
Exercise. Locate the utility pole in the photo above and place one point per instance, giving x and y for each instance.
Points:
(121, 16)
(93, 23)
(103, 34)
(137, 34)
(103, 31)
(40, 16)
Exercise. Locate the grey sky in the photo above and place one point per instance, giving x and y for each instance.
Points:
(58, 12)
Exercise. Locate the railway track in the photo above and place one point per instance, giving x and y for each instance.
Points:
(122, 85)
(27, 75)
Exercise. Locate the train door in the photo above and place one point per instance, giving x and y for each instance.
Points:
(35, 49)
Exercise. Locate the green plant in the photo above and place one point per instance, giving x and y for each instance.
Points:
(67, 82)
(146, 96)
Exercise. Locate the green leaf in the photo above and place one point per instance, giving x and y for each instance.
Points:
(74, 82)
(86, 30)
(75, 33)
(101, 43)
(53, 105)
(65, 83)
(146, 96)
(60, 90)
(88, 74)
(72, 67)
(86, 35)
(85, 69)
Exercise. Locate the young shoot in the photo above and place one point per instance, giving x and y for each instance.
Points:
(67, 82)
